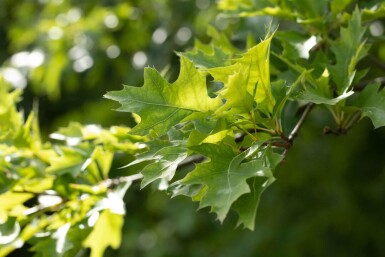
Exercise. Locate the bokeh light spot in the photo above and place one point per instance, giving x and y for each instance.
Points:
(139, 60)
(159, 36)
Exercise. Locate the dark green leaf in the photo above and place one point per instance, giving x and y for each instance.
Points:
(371, 102)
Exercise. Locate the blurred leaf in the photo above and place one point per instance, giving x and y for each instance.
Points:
(215, 54)
(371, 102)
(207, 56)
(310, 9)
(233, 4)
(248, 8)
(102, 160)
(10, 119)
(320, 93)
(338, 6)
(374, 13)
(56, 245)
(70, 162)
(10, 200)
(106, 232)
(348, 50)
(9, 231)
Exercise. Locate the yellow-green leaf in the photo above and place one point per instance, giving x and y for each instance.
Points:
(254, 64)
(107, 232)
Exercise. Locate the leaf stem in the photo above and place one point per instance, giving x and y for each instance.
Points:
(356, 116)
(293, 134)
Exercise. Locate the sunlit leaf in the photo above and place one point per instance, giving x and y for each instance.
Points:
(162, 105)
(238, 99)
(106, 232)
(255, 67)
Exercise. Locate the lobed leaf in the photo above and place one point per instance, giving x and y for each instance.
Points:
(224, 177)
(162, 105)
(348, 50)
(371, 102)
(255, 66)
(107, 232)
(165, 165)
(207, 56)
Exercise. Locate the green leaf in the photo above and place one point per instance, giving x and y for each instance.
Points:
(238, 99)
(295, 44)
(311, 95)
(207, 56)
(371, 102)
(247, 204)
(348, 50)
(9, 230)
(224, 176)
(100, 162)
(10, 119)
(10, 200)
(255, 65)
(218, 134)
(337, 6)
(248, 8)
(374, 13)
(320, 93)
(107, 232)
(310, 9)
(70, 161)
(162, 105)
(233, 5)
(167, 160)
(55, 246)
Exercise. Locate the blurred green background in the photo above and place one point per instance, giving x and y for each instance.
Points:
(329, 197)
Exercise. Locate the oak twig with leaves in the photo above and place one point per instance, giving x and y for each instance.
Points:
(225, 117)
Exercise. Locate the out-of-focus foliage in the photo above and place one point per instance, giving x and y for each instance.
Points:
(60, 196)
(48, 191)
(70, 53)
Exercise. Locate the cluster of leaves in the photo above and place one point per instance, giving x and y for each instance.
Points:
(58, 196)
(233, 134)
(235, 121)
(231, 112)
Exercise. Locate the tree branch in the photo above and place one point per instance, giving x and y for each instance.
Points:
(116, 181)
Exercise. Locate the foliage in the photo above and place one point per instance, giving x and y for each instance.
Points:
(231, 112)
